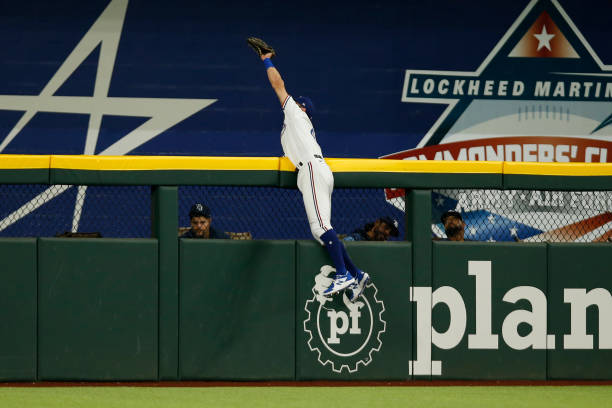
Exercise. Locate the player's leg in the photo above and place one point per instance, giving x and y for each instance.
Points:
(315, 181)
(361, 278)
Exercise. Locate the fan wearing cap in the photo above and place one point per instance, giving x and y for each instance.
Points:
(315, 181)
(380, 230)
(200, 220)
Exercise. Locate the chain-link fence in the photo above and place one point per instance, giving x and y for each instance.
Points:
(527, 215)
(31, 210)
(278, 213)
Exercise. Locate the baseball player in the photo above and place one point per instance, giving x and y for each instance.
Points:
(315, 179)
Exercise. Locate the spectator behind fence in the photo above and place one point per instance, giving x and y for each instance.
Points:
(453, 226)
(200, 220)
(379, 230)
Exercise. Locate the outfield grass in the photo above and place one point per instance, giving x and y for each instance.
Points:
(290, 397)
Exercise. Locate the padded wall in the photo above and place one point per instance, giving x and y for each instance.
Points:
(237, 301)
(18, 309)
(97, 309)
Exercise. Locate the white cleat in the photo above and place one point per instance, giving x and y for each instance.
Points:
(358, 286)
(340, 283)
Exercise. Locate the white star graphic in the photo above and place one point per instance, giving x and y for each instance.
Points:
(473, 230)
(163, 112)
(439, 201)
(544, 39)
(491, 219)
(513, 231)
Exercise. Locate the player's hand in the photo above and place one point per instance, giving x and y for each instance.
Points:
(267, 55)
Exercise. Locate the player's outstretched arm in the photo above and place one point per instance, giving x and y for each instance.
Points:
(275, 78)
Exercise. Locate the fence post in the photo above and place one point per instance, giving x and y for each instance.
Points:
(418, 230)
(165, 229)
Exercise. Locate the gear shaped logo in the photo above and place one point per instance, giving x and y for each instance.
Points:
(344, 335)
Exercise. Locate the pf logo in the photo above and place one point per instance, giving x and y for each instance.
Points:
(343, 334)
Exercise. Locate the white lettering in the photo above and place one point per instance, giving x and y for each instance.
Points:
(559, 90)
(502, 89)
(518, 88)
(529, 152)
(458, 87)
(589, 153)
(413, 86)
(536, 318)
(458, 318)
(476, 153)
(574, 90)
(546, 153)
(423, 365)
(513, 152)
(334, 330)
(542, 88)
(355, 314)
(461, 156)
(561, 153)
(443, 87)
(494, 155)
(473, 87)
(488, 88)
(587, 88)
(428, 86)
(580, 300)
(483, 339)
(536, 198)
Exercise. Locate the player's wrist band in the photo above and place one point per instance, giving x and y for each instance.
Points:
(268, 63)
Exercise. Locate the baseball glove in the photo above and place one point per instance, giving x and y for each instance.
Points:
(260, 46)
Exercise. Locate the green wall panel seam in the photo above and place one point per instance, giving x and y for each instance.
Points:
(36, 359)
(295, 308)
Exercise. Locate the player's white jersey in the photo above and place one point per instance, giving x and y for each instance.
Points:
(298, 135)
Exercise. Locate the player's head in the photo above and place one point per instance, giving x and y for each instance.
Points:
(199, 217)
(306, 103)
(453, 225)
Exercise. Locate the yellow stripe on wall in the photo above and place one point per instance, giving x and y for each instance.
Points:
(24, 161)
(413, 166)
(84, 162)
(558, 169)
(163, 163)
(403, 166)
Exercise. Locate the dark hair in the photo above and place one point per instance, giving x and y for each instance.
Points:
(449, 214)
(393, 224)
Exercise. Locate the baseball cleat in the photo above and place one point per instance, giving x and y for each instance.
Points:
(356, 289)
(341, 282)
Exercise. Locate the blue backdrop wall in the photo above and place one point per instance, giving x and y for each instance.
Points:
(350, 57)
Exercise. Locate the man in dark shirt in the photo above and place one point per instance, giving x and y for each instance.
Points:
(200, 220)
(379, 230)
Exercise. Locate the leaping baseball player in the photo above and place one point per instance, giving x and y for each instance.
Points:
(315, 179)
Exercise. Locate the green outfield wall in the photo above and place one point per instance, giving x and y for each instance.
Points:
(174, 309)
(90, 309)
(18, 306)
